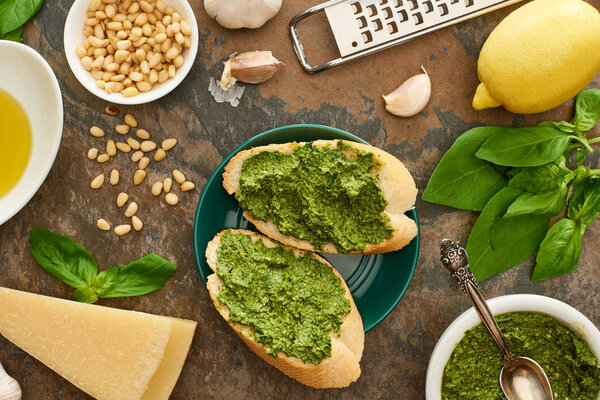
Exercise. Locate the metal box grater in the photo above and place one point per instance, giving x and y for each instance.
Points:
(362, 27)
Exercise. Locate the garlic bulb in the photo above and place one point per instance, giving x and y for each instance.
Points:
(249, 67)
(9, 388)
(235, 14)
(411, 97)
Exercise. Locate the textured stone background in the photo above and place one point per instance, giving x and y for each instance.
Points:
(219, 366)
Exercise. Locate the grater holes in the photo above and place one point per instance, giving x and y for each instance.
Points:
(418, 18)
(443, 8)
(383, 2)
(354, 44)
(367, 37)
(362, 22)
(392, 27)
(388, 14)
(415, 4)
(428, 6)
(403, 16)
(469, 3)
(399, 3)
(377, 24)
(357, 8)
(373, 9)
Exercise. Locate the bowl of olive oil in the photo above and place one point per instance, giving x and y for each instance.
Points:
(31, 119)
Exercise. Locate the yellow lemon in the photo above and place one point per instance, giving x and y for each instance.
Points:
(539, 56)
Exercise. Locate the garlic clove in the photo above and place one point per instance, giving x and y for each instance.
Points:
(250, 67)
(235, 14)
(411, 97)
(9, 388)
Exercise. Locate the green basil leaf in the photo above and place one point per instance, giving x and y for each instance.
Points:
(560, 250)
(580, 157)
(541, 179)
(462, 180)
(14, 13)
(564, 126)
(143, 276)
(516, 239)
(63, 258)
(85, 295)
(524, 147)
(584, 205)
(15, 35)
(549, 203)
(587, 109)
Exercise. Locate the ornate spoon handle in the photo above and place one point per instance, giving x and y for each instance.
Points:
(456, 262)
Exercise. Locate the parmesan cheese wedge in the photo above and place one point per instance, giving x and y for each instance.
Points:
(110, 354)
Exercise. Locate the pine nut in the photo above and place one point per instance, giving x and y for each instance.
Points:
(103, 225)
(159, 155)
(179, 176)
(80, 50)
(167, 183)
(122, 129)
(97, 182)
(187, 186)
(122, 229)
(139, 176)
(144, 86)
(134, 144)
(142, 134)
(131, 121)
(137, 156)
(186, 28)
(124, 147)
(168, 144)
(114, 177)
(129, 92)
(122, 199)
(131, 209)
(111, 110)
(102, 158)
(111, 149)
(171, 199)
(137, 223)
(148, 145)
(157, 188)
(92, 153)
(96, 132)
(144, 161)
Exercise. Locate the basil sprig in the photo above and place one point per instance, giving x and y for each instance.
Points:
(71, 263)
(518, 178)
(13, 16)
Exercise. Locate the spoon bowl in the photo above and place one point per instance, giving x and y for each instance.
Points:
(522, 378)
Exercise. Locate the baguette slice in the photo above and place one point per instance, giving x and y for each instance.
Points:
(339, 370)
(395, 181)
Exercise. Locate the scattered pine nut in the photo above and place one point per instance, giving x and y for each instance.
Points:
(131, 209)
(124, 147)
(142, 134)
(139, 176)
(144, 161)
(159, 155)
(111, 149)
(137, 223)
(137, 156)
(179, 176)
(134, 144)
(187, 186)
(171, 199)
(122, 129)
(168, 144)
(122, 229)
(102, 158)
(114, 177)
(96, 132)
(130, 120)
(92, 153)
(167, 183)
(122, 199)
(103, 225)
(111, 110)
(157, 188)
(97, 182)
(148, 145)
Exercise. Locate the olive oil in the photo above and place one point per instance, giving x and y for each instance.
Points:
(15, 142)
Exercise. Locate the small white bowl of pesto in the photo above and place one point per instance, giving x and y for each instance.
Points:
(465, 363)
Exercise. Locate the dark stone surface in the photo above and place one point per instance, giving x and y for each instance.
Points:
(219, 366)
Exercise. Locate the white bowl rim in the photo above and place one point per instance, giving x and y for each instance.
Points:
(158, 91)
(53, 151)
(500, 305)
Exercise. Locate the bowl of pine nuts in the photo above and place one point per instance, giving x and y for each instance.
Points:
(130, 51)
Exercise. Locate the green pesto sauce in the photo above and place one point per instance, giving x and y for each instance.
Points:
(474, 367)
(292, 303)
(317, 194)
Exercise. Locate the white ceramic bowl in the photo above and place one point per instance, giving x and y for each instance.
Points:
(28, 78)
(73, 35)
(500, 305)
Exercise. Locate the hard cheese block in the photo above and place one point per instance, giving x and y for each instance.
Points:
(110, 354)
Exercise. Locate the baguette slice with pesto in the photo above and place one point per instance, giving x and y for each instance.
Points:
(328, 195)
(289, 306)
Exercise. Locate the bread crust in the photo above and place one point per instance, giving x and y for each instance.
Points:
(395, 181)
(339, 370)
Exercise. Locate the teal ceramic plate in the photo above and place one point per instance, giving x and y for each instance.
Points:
(377, 282)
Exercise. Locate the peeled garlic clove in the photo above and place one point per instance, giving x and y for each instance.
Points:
(249, 67)
(9, 388)
(411, 97)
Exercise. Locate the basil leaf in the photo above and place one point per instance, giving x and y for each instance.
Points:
(587, 109)
(560, 250)
(14, 13)
(541, 179)
(549, 203)
(85, 295)
(63, 258)
(515, 239)
(462, 180)
(579, 157)
(139, 277)
(524, 147)
(584, 205)
(15, 36)
(564, 126)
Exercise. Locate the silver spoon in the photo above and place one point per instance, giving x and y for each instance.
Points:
(521, 378)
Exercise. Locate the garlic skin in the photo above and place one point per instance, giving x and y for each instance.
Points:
(235, 14)
(9, 388)
(411, 97)
(250, 67)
